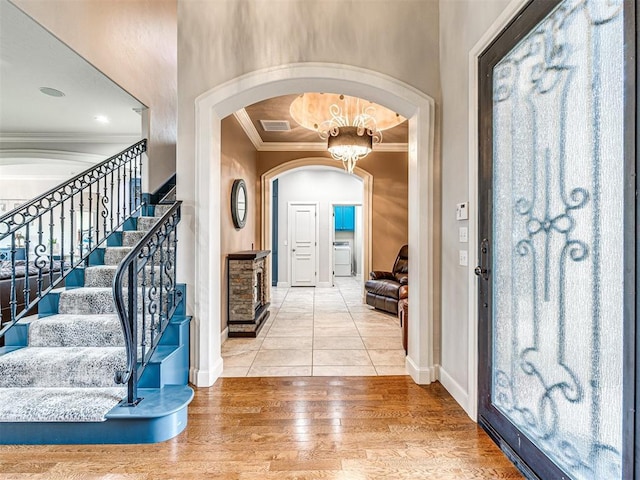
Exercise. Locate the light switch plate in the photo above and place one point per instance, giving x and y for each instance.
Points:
(463, 234)
(463, 258)
(462, 211)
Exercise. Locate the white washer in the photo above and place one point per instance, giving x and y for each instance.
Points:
(342, 259)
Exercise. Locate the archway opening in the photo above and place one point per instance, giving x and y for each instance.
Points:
(199, 187)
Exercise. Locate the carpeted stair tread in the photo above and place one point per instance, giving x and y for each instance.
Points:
(87, 301)
(58, 404)
(66, 374)
(114, 255)
(159, 210)
(76, 331)
(132, 237)
(146, 223)
(61, 367)
(93, 301)
(101, 276)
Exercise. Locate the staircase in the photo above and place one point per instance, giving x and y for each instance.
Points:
(58, 369)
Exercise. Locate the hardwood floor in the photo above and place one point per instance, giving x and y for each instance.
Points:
(292, 428)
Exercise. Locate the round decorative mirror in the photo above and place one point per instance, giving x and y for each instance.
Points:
(239, 203)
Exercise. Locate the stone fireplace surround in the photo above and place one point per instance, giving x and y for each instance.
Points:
(248, 303)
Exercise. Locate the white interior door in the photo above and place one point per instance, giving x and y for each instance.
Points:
(303, 233)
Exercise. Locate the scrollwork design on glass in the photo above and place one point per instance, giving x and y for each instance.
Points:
(550, 237)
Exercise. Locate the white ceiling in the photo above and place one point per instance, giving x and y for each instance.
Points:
(30, 58)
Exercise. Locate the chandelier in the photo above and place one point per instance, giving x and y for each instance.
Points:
(351, 126)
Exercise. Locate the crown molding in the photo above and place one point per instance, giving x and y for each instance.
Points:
(38, 154)
(321, 147)
(22, 178)
(250, 130)
(67, 138)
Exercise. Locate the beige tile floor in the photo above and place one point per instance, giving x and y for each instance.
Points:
(319, 332)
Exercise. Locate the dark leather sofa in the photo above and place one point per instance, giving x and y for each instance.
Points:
(385, 289)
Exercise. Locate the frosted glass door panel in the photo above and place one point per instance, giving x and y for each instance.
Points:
(557, 258)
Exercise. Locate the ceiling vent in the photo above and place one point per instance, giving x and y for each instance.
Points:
(275, 125)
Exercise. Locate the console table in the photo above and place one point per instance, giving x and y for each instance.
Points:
(248, 297)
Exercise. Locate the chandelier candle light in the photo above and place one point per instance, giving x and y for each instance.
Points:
(354, 126)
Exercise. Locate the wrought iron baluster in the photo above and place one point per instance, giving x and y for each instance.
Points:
(111, 204)
(72, 237)
(120, 206)
(91, 226)
(176, 219)
(134, 180)
(161, 296)
(27, 284)
(13, 302)
(126, 193)
(24, 221)
(38, 252)
(62, 236)
(51, 239)
(148, 255)
(81, 247)
(132, 387)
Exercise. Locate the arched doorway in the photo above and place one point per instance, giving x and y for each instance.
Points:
(200, 229)
(367, 186)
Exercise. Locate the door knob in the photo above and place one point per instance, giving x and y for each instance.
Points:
(482, 270)
(479, 271)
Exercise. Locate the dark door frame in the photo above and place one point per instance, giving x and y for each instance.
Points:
(529, 16)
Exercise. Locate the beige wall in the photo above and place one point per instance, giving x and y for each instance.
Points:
(133, 42)
(455, 44)
(238, 161)
(397, 38)
(390, 221)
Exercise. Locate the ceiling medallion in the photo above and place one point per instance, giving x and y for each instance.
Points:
(350, 125)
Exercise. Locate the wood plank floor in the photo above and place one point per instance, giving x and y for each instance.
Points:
(292, 428)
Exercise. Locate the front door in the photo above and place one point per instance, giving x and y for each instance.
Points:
(303, 234)
(557, 216)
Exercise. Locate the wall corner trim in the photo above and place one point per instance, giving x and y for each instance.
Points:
(422, 376)
(457, 392)
(206, 378)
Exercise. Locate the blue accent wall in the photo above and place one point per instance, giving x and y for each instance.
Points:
(274, 233)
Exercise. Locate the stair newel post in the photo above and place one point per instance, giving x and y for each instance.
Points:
(132, 384)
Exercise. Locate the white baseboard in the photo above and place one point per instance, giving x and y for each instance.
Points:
(422, 376)
(459, 394)
(206, 378)
(324, 285)
(224, 335)
(284, 285)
